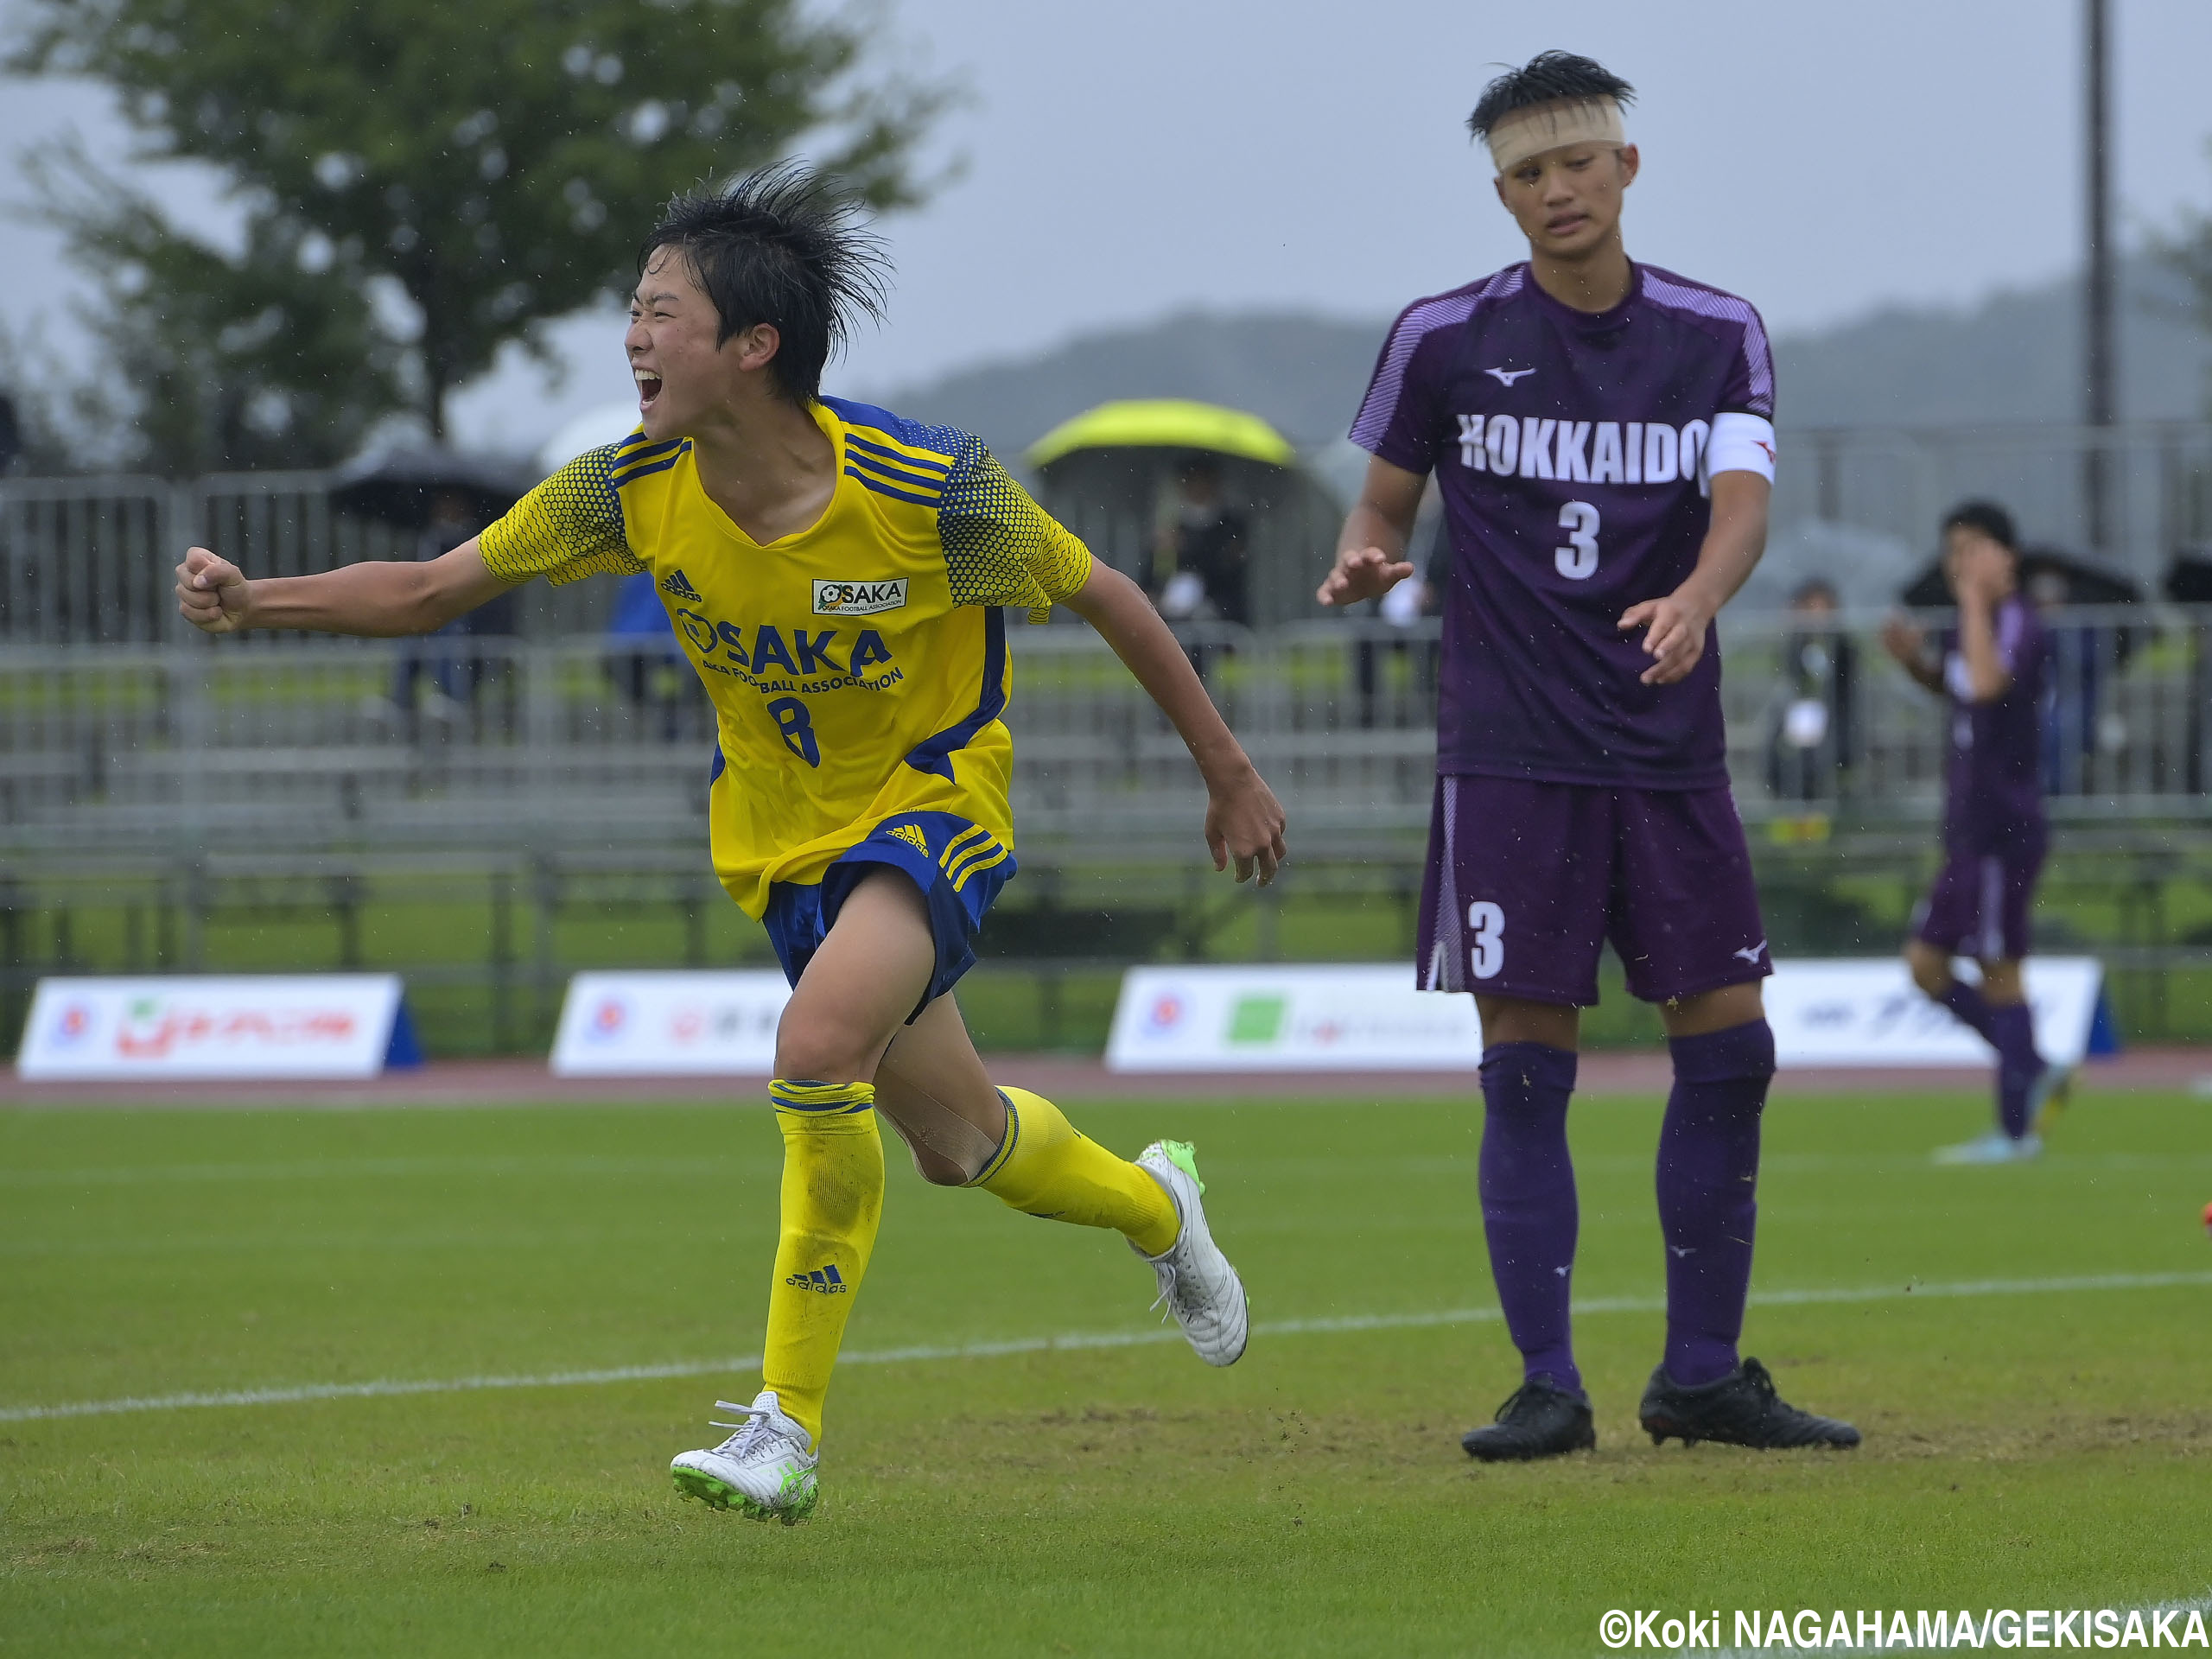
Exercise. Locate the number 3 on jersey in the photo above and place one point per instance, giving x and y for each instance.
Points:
(1486, 946)
(1577, 560)
(797, 728)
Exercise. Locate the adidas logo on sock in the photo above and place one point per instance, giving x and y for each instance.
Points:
(825, 1280)
(676, 585)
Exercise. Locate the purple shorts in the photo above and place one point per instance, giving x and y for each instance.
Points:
(1526, 881)
(1978, 905)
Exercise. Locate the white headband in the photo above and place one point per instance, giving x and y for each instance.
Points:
(1551, 126)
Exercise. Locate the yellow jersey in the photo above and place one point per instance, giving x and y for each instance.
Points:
(858, 668)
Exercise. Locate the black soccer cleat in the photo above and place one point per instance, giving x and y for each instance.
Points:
(1740, 1409)
(1541, 1419)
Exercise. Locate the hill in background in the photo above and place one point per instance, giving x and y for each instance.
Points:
(2014, 357)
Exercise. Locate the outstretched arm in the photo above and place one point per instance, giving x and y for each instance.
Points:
(1371, 548)
(380, 597)
(1243, 819)
(1675, 627)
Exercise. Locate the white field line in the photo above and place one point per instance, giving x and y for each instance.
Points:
(1074, 1341)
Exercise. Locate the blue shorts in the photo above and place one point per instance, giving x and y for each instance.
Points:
(958, 867)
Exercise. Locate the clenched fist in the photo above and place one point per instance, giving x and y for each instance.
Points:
(212, 593)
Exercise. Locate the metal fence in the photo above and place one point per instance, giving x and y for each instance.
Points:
(88, 561)
(91, 560)
(475, 743)
(2153, 481)
(199, 804)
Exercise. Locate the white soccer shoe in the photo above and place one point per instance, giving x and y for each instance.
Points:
(1196, 1281)
(765, 1471)
(1995, 1147)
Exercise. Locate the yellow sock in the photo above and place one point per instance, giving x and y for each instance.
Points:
(832, 1202)
(1046, 1168)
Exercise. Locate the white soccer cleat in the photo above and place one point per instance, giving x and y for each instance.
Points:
(765, 1471)
(1995, 1147)
(1196, 1281)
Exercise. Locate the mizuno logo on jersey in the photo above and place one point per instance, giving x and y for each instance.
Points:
(1507, 377)
(825, 1280)
(859, 598)
(676, 585)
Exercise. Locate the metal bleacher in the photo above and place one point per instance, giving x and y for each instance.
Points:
(160, 784)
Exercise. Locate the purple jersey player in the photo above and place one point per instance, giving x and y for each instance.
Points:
(1989, 667)
(1602, 433)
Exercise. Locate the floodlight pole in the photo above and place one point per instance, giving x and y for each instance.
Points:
(2100, 365)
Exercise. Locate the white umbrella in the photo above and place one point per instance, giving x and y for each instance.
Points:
(609, 423)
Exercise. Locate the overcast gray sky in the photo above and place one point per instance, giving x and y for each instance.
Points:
(1127, 160)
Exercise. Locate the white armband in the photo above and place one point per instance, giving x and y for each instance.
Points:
(1740, 443)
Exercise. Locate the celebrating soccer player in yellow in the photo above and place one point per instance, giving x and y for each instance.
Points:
(836, 574)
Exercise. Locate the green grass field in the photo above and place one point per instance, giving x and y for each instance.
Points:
(2027, 1444)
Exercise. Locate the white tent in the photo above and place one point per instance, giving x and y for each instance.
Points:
(609, 423)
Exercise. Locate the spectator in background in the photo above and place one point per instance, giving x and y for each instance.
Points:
(2074, 677)
(454, 667)
(1812, 742)
(1417, 597)
(1200, 556)
(643, 658)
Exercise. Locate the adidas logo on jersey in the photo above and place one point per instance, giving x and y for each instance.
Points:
(676, 585)
(826, 1279)
(911, 834)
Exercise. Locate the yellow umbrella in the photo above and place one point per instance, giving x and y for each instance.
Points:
(1166, 423)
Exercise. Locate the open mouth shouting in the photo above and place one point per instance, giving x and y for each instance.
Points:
(648, 387)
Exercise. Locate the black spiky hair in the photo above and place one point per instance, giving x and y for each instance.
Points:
(788, 246)
(1987, 518)
(1547, 78)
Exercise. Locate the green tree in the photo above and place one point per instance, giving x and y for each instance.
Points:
(493, 165)
(270, 357)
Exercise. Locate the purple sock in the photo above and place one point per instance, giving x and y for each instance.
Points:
(1529, 1208)
(1966, 1002)
(2012, 1031)
(1709, 1200)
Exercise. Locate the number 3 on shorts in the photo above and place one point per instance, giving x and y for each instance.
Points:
(1486, 955)
(1577, 560)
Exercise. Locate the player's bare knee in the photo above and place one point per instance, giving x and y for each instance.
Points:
(1930, 969)
(949, 1148)
(821, 1050)
(1724, 1008)
(932, 1165)
(1933, 978)
(1517, 1019)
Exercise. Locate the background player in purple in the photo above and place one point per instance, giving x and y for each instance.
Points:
(1991, 668)
(1602, 434)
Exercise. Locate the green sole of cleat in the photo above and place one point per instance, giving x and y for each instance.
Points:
(1184, 1157)
(718, 1495)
